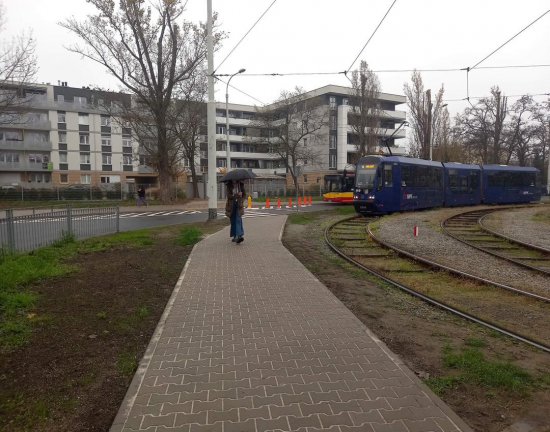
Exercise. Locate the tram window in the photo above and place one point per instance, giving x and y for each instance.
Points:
(388, 176)
(379, 178)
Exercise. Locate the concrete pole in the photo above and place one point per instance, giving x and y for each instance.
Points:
(429, 121)
(212, 188)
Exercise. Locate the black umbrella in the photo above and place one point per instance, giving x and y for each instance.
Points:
(238, 175)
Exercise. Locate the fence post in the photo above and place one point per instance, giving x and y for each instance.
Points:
(69, 220)
(118, 219)
(11, 231)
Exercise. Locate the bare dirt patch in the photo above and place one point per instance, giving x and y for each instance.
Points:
(419, 334)
(92, 329)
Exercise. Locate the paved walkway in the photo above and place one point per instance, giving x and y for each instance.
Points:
(251, 341)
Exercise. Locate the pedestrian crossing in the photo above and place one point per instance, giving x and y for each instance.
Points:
(221, 214)
(159, 213)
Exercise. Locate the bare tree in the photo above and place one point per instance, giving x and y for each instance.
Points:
(18, 65)
(364, 115)
(426, 118)
(481, 125)
(187, 117)
(291, 127)
(151, 50)
(541, 148)
(519, 132)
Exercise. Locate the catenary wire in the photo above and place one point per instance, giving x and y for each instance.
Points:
(483, 97)
(509, 40)
(371, 36)
(384, 71)
(246, 34)
(239, 90)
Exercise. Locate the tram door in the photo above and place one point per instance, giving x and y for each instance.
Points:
(386, 188)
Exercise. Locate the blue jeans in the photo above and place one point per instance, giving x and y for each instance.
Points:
(237, 229)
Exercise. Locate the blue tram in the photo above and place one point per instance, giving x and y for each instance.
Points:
(504, 184)
(386, 184)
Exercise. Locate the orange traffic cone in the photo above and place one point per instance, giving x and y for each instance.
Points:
(289, 203)
(267, 203)
(279, 203)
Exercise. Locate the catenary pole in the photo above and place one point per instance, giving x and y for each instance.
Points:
(212, 188)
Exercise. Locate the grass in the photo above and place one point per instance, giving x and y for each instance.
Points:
(302, 218)
(19, 271)
(189, 236)
(542, 216)
(469, 366)
(127, 363)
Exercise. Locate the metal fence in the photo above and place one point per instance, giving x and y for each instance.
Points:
(30, 230)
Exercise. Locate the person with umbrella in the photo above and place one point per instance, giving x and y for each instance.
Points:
(234, 209)
(234, 206)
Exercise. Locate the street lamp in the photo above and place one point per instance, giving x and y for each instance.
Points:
(227, 149)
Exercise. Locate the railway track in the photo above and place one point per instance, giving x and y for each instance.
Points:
(515, 313)
(468, 228)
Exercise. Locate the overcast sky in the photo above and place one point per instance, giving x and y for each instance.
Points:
(323, 36)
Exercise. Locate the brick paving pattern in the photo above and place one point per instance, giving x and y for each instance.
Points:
(251, 341)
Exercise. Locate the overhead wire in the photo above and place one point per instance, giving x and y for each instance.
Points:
(239, 90)
(246, 34)
(468, 69)
(371, 36)
(509, 40)
(384, 71)
(483, 97)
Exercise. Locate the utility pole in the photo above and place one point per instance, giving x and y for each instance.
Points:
(429, 121)
(212, 189)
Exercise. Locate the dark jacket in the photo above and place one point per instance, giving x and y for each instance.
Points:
(231, 196)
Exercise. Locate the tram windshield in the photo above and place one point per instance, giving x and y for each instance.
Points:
(366, 174)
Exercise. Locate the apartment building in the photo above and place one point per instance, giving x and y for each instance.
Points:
(63, 136)
(335, 144)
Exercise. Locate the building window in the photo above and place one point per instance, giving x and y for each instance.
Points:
(85, 179)
(332, 102)
(62, 137)
(60, 98)
(84, 139)
(220, 130)
(83, 119)
(105, 140)
(62, 157)
(126, 142)
(80, 100)
(332, 141)
(63, 178)
(105, 120)
(61, 116)
(84, 158)
(332, 122)
(106, 159)
(305, 142)
(126, 160)
(345, 101)
(9, 157)
(332, 161)
(105, 179)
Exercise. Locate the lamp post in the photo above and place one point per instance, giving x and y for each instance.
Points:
(227, 149)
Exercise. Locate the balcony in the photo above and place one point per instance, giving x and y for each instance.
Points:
(23, 166)
(33, 125)
(233, 121)
(26, 145)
